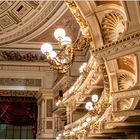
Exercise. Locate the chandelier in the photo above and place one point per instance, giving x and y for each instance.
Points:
(62, 60)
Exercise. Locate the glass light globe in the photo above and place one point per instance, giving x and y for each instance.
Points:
(64, 133)
(59, 33)
(46, 47)
(66, 41)
(94, 98)
(84, 124)
(89, 106)
(59, 135)
(74, 129)
(84, 64)
(57, 138)
(71, 133)
(53, 54)
(88, 119)
(81, 69)
(58, 102)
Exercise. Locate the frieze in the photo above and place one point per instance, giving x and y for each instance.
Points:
(116, 48)
(127, 113)
(21, 93)
(127, 94)
(20, 82)
(21, 56)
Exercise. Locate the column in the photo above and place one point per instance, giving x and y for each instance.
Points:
(68, 114)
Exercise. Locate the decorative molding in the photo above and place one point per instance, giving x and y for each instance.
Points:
(20, 93)
(24, 56)
(127, 63)
(24, 68)
(131, 93)
(20, 82)
(98, 111)
(49, 125)
(118, 48)
(125, 81)
(15, 34)
(49, 106)
(127, 113)
(124, 104)
(80, 19)
(113, 26)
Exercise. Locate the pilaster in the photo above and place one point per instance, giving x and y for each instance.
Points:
(45, 115)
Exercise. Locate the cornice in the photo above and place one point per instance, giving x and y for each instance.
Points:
(19, 93)
(119, 48)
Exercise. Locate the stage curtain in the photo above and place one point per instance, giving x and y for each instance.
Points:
(19, 111)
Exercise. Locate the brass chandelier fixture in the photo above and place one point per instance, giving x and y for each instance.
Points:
(63, 60)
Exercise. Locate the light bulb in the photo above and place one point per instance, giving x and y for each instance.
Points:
(89, 106)
(82, 67)
(94, 98)
(64, 133)
(57, 138)
(59, 135)
(46, 47)
(74, 129)
(84, 64)
(53, 54)
(88, 119)
(71, 133)
(84, 124)
(59, 33)
(58, 102)
(66, 41)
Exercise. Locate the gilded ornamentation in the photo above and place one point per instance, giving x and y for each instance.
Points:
(80, 19)
(98, 110)
(113, 26)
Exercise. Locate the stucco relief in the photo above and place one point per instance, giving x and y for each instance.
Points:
(125, 81)
(26, 56)
(127, 63)
(14, 21)
(20, 82)
(113, 26)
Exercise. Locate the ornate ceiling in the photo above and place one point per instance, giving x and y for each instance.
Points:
(33, 21)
